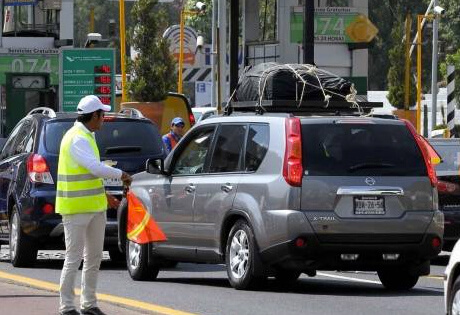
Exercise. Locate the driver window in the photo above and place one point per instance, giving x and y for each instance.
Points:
(193, 157)
(9, 147)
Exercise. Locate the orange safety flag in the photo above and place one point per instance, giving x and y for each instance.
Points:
(141, 227)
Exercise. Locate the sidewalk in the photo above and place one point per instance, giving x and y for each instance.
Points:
(20, 299)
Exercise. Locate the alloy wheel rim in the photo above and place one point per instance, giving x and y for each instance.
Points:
(134, 254)
(456, 304)
(14, 235)
(239, 254)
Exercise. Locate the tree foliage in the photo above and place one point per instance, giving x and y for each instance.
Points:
(200, 22)
(153, 70)
(396, 72)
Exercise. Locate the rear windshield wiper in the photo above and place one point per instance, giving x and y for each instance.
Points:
(122, 149)
(369, 165)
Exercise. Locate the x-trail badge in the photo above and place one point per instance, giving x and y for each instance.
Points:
(370, 181)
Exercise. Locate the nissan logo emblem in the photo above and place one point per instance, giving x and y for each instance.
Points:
(370, 181)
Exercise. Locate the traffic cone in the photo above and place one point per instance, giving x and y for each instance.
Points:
(141, 227)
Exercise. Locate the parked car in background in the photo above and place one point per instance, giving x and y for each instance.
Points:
(201, 113)
(280, 194)
(448, 173)
(28, 170)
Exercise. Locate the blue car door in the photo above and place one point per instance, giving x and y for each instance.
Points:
(7, 170)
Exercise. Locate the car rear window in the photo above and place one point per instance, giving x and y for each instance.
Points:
(120, 137)
(360, 150)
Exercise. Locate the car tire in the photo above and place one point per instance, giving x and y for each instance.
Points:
(242, 257)
(397, 280)
(23, 250)
(287, 277)
(137, 262)
(454, 298)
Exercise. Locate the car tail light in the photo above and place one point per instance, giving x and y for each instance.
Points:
(436, 242)
(47, 208)
(425, 152)
(292, 168)
(38, 170)
(446, 187)
(192, 119)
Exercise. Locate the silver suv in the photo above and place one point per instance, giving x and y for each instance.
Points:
(281, 194)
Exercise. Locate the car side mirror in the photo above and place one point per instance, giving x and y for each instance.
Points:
(155, 166)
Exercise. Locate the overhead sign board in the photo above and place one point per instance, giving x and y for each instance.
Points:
(336, 25)
(85, 72)
(29, 61)
(19, 2)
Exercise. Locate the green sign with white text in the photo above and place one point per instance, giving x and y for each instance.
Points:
(336, 25)
(23, 63)
(86, 71)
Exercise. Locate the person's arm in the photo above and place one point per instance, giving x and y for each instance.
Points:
(83, 154)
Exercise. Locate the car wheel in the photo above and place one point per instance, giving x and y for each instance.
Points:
(23, 252)
(242, 260)
(137, 262)
(399, 280)
(454, 298)
(286, 277)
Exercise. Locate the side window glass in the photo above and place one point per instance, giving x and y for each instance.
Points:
(229, 149)
(22, 138)
(9, 147)
(257, 146)
(191, 160)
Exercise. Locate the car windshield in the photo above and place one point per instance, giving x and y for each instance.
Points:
(360, 150)
(120, 137)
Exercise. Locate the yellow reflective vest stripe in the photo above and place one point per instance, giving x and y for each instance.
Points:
(78, 191)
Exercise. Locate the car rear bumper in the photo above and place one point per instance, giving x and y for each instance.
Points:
(369, 239)
(47, 229)
(338, 256)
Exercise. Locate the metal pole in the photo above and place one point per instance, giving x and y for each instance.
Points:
(419, 72)
(414, 43)
(123, 51)
(407, 74)
(222, 24)
(1, 25)
(91, 19)
(309, 32)
(434, 71)
(451, 103)
(234, 36)
(181, 51)
(213, 53)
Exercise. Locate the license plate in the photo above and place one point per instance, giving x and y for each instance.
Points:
(369, 205)
(112, 182)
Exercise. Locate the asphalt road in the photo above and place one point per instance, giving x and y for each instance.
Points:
(204, 289)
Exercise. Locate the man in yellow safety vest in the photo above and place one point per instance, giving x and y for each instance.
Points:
(82, 201)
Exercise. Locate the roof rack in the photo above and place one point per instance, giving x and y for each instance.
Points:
(132, 112)
(43, 110)
(289, 106)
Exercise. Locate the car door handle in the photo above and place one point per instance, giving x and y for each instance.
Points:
(190, 188)
(226, 188)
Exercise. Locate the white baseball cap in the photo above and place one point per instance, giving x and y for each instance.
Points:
(90, 104)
